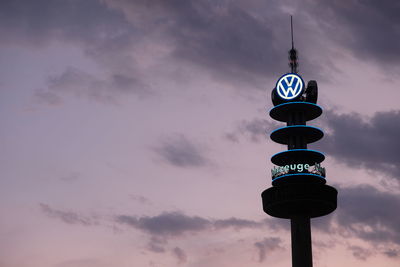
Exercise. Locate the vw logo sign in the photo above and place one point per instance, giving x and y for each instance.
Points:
(289, 86)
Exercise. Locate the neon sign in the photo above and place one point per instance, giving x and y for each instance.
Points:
(289, 86)
(299, 168)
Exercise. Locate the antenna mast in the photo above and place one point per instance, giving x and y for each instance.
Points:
(292, 52)
(291, 29)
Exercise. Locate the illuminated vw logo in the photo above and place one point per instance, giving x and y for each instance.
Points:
(290, 86)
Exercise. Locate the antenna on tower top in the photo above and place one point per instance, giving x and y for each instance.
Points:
(291, 29)
(292, 52)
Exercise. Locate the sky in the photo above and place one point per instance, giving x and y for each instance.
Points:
(135, 133)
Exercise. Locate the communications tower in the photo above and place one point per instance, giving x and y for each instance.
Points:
(299, 191)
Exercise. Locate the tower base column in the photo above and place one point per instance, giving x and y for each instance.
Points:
(301, 242)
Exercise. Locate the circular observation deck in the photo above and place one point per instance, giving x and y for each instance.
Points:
(294, 178)
(288, 201)
(284, 111)
(310, 133)
(303, 156)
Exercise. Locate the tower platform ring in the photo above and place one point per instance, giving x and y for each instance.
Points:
(295, 156)
(311, 200)
(299, 178)
(282, 112)
(282, 135)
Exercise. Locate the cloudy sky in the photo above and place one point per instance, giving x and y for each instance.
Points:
(133, 132)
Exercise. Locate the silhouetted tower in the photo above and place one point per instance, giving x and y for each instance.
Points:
(298, 189)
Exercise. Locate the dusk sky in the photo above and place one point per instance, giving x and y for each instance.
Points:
(135, 133)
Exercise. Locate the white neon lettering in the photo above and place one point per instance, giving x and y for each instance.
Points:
(300, 168)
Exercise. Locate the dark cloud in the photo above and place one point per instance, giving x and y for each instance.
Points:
(239, 42)
(43, 96)
(171, 224)
(370, 29)
(360, 253)
(37, 22)
(180, 255)
(277, 224)
(141, 199)
(369, 214)
(391, 253)
(256, 130)
(223, 37)
(324, 223)
(267, 245)
(127, 83)
(155, 248)
(180, 152)
(232, 137)
(163, 228)
(371, 143)
(157, 244)
(220, 35)
(229, 39)
(68, 217)
(78, 83)
(235, 223)
(166, 224)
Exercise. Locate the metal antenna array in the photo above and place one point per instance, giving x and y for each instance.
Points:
(293, 52)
